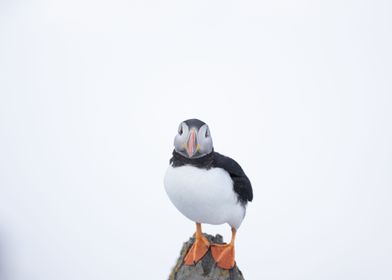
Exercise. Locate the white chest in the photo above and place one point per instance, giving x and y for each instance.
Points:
(204, 196)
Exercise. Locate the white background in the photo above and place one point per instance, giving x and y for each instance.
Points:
(91, 95)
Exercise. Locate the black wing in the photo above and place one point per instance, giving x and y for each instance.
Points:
(242, 185)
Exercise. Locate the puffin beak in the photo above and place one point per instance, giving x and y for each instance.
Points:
(191, 145)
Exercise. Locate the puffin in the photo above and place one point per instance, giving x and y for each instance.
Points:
(207, 188)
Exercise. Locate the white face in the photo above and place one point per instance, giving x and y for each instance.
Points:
(193, 142)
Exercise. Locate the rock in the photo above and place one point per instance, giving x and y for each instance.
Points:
(206, 268)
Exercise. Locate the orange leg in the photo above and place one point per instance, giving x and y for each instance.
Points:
(223, 254)
(199, 247)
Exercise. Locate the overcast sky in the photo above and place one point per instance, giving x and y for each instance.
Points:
(91, 95)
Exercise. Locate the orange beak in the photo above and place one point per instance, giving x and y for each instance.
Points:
(191, 145)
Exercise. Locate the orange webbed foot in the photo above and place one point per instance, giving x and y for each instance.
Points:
(223, 255)
(197, 251)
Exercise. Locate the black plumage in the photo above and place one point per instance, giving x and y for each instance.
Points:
(194, 123)
(241, 184)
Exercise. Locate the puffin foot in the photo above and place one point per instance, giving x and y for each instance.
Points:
(197, 251)
(223, 255)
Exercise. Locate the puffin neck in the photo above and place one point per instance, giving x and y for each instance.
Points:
(202, 162)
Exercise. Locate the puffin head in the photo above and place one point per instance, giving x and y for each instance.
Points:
(193, 139)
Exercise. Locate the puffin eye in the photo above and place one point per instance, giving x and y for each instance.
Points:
(180, 130)
(207, 133)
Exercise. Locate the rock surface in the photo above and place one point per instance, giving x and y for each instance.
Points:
(206, 268)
